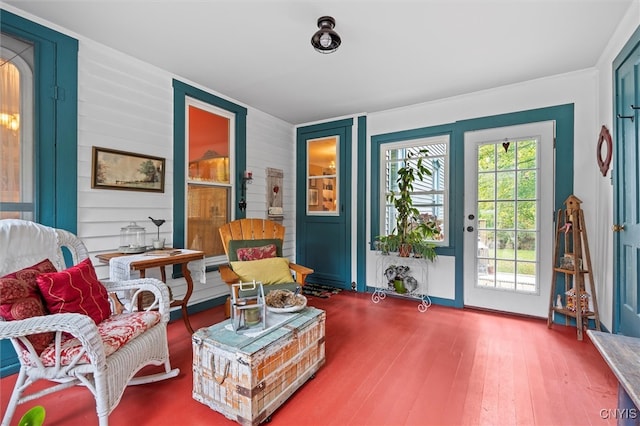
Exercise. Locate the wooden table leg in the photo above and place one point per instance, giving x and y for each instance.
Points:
(140, 301)
(185, 300)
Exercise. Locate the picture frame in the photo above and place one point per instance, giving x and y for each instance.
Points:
(127, 171)
(313, 197)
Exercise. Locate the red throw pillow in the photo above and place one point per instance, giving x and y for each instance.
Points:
(20, 299)
(76, 289)
(256, 253)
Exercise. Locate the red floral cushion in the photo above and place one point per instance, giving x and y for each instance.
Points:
(20, 299)
(256, 253)
(76, 290)
(115, 332)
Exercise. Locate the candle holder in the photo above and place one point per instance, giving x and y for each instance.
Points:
(158, 243)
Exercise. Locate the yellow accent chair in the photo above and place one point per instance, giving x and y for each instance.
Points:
(250, 236)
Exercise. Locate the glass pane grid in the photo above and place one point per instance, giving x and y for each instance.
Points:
(507, 216)
(429, 194)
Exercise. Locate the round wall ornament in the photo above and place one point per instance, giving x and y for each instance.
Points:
(604, 143)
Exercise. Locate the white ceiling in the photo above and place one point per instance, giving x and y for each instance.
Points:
(393, 53)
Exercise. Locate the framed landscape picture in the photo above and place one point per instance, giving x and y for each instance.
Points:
(127, 171)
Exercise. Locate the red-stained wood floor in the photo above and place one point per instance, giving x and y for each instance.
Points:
(388, 364)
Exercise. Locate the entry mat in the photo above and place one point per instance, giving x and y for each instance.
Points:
(319, 290)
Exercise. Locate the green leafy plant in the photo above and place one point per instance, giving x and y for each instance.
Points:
(411, 231)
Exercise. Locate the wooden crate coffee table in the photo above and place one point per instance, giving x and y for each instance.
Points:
(248, 378)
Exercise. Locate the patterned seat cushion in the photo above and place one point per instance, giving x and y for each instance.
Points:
(115, 332)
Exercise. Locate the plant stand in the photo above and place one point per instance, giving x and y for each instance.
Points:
(412, 273)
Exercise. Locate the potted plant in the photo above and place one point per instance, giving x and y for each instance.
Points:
(411, 232)
(421, 238)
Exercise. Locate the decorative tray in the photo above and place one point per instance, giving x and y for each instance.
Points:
(300, 305)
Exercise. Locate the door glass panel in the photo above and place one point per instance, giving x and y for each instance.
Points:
(209, 176)
(322, 176)
(507, 211)
(17, 163)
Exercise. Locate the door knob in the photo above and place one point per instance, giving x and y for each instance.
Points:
(617, 228)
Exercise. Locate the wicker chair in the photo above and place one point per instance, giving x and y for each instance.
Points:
(23, 244)
(254, 229)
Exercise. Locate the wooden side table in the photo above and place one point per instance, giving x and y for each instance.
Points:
(161, 261)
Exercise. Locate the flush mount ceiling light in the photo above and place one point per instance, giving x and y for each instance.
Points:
(325, 40)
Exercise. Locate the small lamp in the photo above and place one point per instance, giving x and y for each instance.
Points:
(325, 40)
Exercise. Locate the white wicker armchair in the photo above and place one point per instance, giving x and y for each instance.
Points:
(23, 244)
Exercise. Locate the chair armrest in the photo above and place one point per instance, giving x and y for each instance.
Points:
(227, 275)
(80, 326)
(158, 288)
(301, 272)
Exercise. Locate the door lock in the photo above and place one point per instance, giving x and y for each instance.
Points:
(617, 228)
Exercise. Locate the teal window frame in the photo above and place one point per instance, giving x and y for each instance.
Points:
(180, 92)
(55, 134)
(377, 142)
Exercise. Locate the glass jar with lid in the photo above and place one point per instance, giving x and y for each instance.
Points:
(132, 239)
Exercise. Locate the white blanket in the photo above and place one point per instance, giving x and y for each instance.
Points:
(120, 267)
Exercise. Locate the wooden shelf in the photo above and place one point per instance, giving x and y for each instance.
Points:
(573, 314)
(570, 271)
(572, 251)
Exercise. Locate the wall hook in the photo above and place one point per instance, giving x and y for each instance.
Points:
(634, 107)
(626, 116)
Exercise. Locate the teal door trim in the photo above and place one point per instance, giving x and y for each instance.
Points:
(618, 270)
(361, 206)
(563, 115)
(55, 134)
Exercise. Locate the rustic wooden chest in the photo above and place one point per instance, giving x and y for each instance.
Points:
(247, 377)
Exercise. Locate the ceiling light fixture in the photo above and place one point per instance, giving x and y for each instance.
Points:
(325, 40)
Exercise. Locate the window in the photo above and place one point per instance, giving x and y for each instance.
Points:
(33, 185)
(209, 186)
(16, 129)
(209, 154)
(322, 176)
(430, 195)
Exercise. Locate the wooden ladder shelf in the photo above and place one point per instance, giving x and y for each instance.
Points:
(569, 295)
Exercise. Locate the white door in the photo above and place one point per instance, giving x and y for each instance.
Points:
(508, 221)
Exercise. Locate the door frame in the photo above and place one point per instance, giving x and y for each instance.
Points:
(627, 50)
(563, 115)
(344, 129)
(534, 304)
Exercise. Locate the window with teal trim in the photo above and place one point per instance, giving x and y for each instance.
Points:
(429, 196)
(43, 120)
(209, 156)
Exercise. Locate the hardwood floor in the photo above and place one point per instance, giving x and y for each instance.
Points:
(388, 364)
